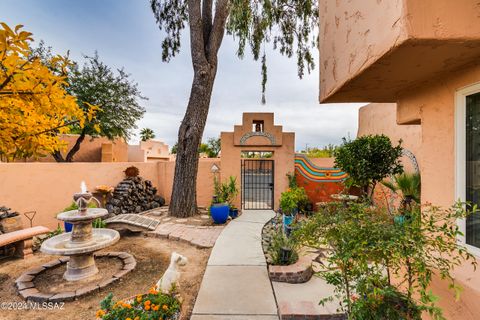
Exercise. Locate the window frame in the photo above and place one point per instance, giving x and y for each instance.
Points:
(460, 156)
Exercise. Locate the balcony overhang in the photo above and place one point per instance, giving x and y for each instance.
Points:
(406, 66)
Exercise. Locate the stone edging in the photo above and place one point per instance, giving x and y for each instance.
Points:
(26, 287)
(299, 272)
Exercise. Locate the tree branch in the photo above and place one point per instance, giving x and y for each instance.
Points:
(218, 29)
(196, 34)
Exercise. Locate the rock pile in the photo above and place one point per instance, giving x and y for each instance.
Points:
(134, 195)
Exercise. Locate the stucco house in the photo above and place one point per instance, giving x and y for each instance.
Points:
(419, 62)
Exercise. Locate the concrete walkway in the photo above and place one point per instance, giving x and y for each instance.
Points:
(236, 284)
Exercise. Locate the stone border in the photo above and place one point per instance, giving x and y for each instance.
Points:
(26, 287)
(299, 272)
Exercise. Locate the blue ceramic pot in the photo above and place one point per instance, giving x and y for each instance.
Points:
(219, 212)
(399, 220)
(287, 220)
(68, 226)
(233, 213)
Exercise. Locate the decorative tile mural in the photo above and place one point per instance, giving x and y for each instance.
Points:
(319, 182)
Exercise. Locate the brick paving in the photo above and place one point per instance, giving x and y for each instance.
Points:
(199, 236)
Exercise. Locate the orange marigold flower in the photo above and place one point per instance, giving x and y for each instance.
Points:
(128, 319)
(147, 307)
(100, 313)
(165, 307)
(156, 308)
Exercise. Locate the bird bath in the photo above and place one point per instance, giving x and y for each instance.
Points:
(83, 241)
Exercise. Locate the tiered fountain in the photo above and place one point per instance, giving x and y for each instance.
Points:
(83, 241)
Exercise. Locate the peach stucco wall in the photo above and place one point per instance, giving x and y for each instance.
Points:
(204, 180)
(433, 142)
(91, 149)
(48, 187)
(354, 34)
(371, 51)
(416, 54)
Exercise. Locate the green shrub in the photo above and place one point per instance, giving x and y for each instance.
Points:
(292, 199)
(368, 160)
(367, 250)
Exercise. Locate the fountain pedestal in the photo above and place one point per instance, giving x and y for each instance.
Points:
(83, 241)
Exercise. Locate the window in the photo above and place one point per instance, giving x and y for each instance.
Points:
(258, 126)
(472, 166)
(467, 164)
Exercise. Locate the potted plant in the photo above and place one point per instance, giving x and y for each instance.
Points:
(219, 210)
(288, 205)
(222, 204)
(231, 192)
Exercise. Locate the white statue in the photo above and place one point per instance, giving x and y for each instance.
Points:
(170, 278)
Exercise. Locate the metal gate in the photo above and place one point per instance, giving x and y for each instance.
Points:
(257, 184)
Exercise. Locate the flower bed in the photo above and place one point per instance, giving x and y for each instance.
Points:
(153, 305)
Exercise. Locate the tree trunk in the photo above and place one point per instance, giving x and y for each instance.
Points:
(184, 196)
(205, 40)
(57, 155)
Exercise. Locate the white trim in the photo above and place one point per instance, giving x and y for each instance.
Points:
(460, 150)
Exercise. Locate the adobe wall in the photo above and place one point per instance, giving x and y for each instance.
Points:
(48, 187)
(319, 178)
(354, 34)
(434, 146)
(91, 149)
(282, 155)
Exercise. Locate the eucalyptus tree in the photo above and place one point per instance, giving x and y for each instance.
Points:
(290, 25)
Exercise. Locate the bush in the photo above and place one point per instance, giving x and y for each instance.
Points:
(368, 160)
(368, 249)
(154, 305)
(292, 199)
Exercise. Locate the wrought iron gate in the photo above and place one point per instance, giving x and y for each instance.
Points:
(257, 184)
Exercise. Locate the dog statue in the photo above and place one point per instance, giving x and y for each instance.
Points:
(170, 278)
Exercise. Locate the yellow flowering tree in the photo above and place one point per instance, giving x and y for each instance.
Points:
(34, 105)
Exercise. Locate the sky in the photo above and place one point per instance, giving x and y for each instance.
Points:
(124, 34)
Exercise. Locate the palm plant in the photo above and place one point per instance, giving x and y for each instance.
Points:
(408, 185)
(146, 134)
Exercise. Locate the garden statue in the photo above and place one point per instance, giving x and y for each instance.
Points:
(170, 278)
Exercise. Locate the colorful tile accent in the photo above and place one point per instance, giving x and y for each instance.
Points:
(319, 182)
(312, 172)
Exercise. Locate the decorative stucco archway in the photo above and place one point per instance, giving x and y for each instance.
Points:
(265, 147)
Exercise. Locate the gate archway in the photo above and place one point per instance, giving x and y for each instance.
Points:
(259, 154)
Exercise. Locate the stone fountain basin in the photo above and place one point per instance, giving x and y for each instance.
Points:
(73, 216)
(58, 245)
